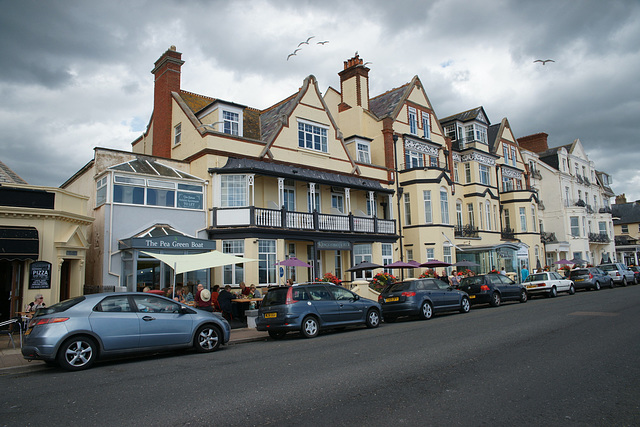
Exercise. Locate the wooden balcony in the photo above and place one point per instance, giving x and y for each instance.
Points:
(252, 216)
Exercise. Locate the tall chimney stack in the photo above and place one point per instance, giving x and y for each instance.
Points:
(536, 142)
(354, 84)
(167, 79)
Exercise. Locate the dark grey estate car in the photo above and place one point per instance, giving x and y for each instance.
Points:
(423, 298)
(76, 332)
(310, 307)
(590, 278)
(493, 289)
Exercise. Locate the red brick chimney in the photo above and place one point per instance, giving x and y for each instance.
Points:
(354, 84)
(536, 142)
(167, 79)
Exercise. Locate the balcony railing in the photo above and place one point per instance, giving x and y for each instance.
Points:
(465, 231)
(508, 233)
(605, 209)
(599, 238)
(252, 216)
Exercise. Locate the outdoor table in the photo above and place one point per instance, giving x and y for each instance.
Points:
(239, 306)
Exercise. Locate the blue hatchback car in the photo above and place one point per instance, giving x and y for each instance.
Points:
(310, 307)
(76, 332)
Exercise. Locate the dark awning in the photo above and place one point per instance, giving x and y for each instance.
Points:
(18, 243)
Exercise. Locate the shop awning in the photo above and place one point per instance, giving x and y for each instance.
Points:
(485, 248)
(19, 243)
(184, 263)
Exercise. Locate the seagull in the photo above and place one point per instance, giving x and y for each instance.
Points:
(544, 61)
(324, 42)
(365, 64)
(307, 42)
(292, 54)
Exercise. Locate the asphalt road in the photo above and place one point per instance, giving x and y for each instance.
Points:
(572, 360)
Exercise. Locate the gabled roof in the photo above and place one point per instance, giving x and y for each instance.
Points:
(626, 213)
(385, 105)
(477, 113)
(9, 176)
(273, 118)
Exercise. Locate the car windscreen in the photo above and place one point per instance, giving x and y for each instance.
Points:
(402, 286)
(536, 277)
(275, 297)
(60, 306)
(609, 267)
(579, 272)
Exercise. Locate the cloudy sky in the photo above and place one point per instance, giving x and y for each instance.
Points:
(76, 74)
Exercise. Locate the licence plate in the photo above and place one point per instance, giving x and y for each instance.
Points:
(270, 315)
(472, 296)
(579, 280)
(391, 299)
(531, 286)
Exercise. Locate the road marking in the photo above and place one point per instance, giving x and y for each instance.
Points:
(593, 313)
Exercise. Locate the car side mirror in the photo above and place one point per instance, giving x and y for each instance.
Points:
(356, 297)
(185, 310)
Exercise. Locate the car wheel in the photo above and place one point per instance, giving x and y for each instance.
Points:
(373, 318)
(208, 338)
(77, 353)
(277, 335)
(523, 296)
(310, 327)
(465, 305)
(426, 311)
(624, 281)
(572, 289)
(495, 300)
(553, 292)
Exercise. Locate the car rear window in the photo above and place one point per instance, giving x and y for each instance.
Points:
(473, 280)
(609, 267)
(401, 286)
(276, 296)
(60, 306)
(579, 272)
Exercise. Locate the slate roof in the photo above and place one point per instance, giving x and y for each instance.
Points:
(492, 135)
(466, 116)
(8, 176)
(626, 213)
(292, 171)
(384, 105)
(272, 119)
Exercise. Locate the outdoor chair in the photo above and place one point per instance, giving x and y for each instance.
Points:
(8, 327)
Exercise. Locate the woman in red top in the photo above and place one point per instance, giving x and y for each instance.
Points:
(214, 298)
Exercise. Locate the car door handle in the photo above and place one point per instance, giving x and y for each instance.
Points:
(148, 318)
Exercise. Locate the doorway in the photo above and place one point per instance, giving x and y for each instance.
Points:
(65, 280)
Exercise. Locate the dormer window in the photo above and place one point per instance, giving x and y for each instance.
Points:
(363, 151)
(231, 121)
(177, 134)
(475, 132)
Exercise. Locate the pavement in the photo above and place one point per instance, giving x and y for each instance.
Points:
(11, 359)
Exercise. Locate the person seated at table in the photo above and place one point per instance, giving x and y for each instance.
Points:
(203, 299)
(178, 296)
(224, 299)
(36, 304)
(186, 294)
(215, 292)
(244, 291)
(256, 292)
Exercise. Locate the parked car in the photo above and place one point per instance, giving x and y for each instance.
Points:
(311, 307)
(423, 298)
(636, 272)
(548, 283)
(619, 272)
(492, 289)
(590, 278)
(76, 332)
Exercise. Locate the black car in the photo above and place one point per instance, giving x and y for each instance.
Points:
(492, 289)
(590, 278)
(310, 307)
(422, 297)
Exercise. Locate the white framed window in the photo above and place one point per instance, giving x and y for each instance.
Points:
(485, 178)
(481, 215)
(430, 254)
(487, 212)
(602, 227)
(337, 262)
(231, 122)
(428, 217)
(450, 131)
(475, 132)
(233, 274)
(624, 228)
(513, 156)
(507, 220)
(289, 195)
(337, 202)
(233, 191)
(267, 262)
(518, 184)
(413, 159)
(426, 125)
(177, 134)
(101, 191)
(470, 214)
(362, 253)
(433, 161)
(312, 136)
(523, 219)
(387, 255)
(446, 257)
(507, 184)
(456, 177)
(129, 190)
(575, 226)
(371, 204)
(413, 121)
(467, 173)
(407, 209)
(363, 152)
(444, 205)
(505, 149)
(534, 221)
(313, 202)
(459, 220)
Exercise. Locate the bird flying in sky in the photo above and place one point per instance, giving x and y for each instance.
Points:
(544, 61)
(324, 42)
(292, 54)
(307, 42)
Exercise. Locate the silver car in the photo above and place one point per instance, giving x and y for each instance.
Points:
(76, 332)
(620, 273)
